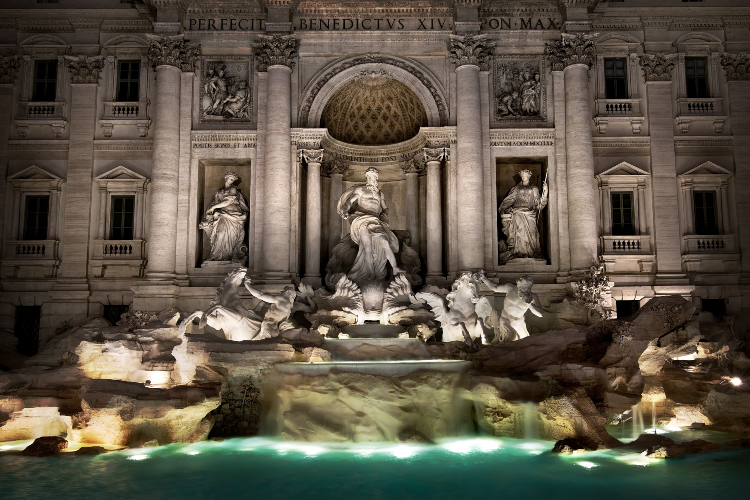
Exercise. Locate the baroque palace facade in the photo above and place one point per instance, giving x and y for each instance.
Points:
(120, 119)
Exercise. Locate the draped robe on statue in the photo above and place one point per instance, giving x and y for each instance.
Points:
(519, 212)
(226, 225)
(371, 265)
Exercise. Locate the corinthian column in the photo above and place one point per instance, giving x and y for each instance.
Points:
(737, 68)
(313, 209)
(412, 202)
(434, 217)
(169, 56)
(336, 171)
(8, 71)
(468, 53)
(275, 56)
(574, 55)
(658, 72)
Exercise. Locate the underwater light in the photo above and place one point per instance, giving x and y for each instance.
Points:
(588, 465)
(194, 453)
(735, 381)
(403, 451)
(138, 457)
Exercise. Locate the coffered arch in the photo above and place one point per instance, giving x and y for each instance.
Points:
(322, 87)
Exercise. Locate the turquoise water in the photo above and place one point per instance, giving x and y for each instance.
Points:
(481, 468)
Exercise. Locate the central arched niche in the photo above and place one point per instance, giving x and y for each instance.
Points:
(373, 110)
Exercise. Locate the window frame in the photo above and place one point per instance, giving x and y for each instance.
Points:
(113, 198)
(25, 217)
(703, 92)
(633, 213)
(716, 223)
(49, 82)
(615, 78)
(129, 80)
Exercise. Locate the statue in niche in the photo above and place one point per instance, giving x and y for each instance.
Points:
(518, 299)
(378, 245)
(226, 311)
(225, 222)
(462, 310)
(519, 214)
(518, 91)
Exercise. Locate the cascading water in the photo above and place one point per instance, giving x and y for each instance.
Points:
(638, 425)
(653, 415)
(530, 421)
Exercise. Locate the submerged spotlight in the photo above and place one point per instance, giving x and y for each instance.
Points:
(735, 381)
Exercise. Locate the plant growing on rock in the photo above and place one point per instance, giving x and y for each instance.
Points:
(592, 291)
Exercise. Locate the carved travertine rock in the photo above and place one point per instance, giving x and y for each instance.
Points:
(569, 50)
(274, 50)
(8, 69)
(174, 51)
(657, 68)
(736, 66)
(84, 69)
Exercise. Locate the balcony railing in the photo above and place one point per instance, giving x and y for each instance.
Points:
(42, 110)
(618, 107)
(724, 243)
(638, 244)
(125, 113)
(30, 249)
(118, 249)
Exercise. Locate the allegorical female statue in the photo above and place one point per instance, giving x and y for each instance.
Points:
(519, 213)
(225, 222)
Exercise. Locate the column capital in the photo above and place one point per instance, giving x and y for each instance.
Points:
(433, 154)
(8, 69)
(335, 166)
(472, 50)
(313, 155)
(657, 68)
(275, 50)
(174, 51)
(84, 69)
(569, 50)
(411, 167)
(736, 66)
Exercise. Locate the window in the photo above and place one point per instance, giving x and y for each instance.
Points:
(26, 329)
(45, 81)
(616, 78)
(128, 80)
(622, 214)
(705, 212)
(626, 308)
(121, 218)
(696, 77)
(36, 215)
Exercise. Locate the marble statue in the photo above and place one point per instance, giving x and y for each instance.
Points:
(277, 315)
(226, 311)
(519, 91)
(237, 104)
(519, 213)
(518, 299)
(225, 222)
(461, 309)
(378, 245)
(216, 88)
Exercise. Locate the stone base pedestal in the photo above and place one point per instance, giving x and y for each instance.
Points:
(155, 296)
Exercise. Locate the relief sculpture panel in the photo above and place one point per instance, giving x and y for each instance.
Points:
(519, 90)
(226, 91)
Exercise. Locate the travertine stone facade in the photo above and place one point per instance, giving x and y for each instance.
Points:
(120, 120)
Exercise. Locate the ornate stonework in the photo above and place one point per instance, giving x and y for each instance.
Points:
(657, 68)
(83, 69)
(226, 89)
(433, 154)
(736, 66)
(313, 155)
(569, 50)
(378, 59)
(274, 50)
(412, 166)
(470, 49)
(333, 165)
(519, 90)
(8, 69)
(174, 51)
(374, 109)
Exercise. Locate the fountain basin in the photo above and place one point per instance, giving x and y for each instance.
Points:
(379, 368)
(375, 349)
(373, 331)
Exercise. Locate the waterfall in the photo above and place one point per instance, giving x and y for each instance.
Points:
(653, 415)
(638, 425)
(530, 424)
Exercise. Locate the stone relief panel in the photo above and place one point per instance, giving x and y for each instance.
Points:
(519, 90)
(226, 92)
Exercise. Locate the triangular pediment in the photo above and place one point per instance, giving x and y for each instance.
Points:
(624, 168)
(120, 174)
(34, 173)
(708, 168)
